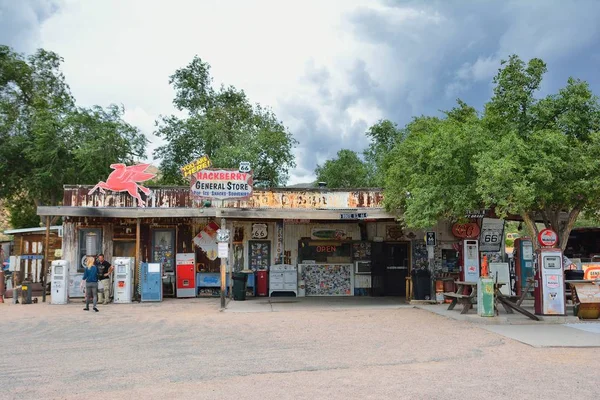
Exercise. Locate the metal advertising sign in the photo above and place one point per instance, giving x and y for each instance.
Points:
(490, 238)
(126, 179)
(547, 238)
(466, 231)
(195, 166)
(221, 184)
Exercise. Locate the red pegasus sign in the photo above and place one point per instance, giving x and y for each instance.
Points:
(126, 179)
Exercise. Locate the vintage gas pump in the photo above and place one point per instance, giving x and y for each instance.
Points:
(123, 285)
(469, 266)
(186, 274)
(151, 282)
(60, 281)
(523, 259)
(549, 276)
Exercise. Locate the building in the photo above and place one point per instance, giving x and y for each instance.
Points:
(342, 242)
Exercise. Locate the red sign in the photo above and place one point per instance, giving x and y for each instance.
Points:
(547, 238)
(126, 179)
(466, 231)
(326, 249)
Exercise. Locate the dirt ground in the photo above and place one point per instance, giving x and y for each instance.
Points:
(188, 349)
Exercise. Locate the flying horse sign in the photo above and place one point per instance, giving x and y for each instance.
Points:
(126, 179)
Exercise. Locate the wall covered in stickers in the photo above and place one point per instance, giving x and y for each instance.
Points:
(328, 279)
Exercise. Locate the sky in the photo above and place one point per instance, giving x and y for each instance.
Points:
(329, 69)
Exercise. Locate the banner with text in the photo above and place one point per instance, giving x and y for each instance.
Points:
(221, 184)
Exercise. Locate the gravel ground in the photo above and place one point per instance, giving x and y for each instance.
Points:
(188, 349)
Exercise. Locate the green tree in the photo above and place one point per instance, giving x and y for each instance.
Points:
(46, 141)
(536, 158)
(223, 124)
(345, 171)
(383, 136)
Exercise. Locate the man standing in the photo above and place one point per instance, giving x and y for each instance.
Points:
(90, 276)
(104, 273)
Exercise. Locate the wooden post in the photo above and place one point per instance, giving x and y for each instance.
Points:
(223, 276)
(137, 257)
(46, 253)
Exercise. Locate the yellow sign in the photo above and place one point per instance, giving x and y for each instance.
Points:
(195, 166)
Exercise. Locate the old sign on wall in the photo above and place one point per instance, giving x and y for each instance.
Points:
(126, 179)
(221, 184)
(195, 166)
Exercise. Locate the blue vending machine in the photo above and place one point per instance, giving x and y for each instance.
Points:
(151, 282)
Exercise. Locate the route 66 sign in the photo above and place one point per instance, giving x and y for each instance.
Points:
(259, 231)
(223, 235)
(245, 167)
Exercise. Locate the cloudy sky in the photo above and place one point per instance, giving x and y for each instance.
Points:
(328, 68)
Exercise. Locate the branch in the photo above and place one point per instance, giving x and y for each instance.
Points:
(566, 230)
(531, 227)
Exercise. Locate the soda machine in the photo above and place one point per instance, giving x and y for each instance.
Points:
(151, 282)
(59, 281)
(262, 282)
(469, 268)
(549, 282)
(185, 265)
(523, 259)
(123, 284)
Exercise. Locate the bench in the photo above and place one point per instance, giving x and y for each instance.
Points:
(465, 299)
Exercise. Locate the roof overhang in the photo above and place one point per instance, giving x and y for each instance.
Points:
(31, 230)
(235, 213)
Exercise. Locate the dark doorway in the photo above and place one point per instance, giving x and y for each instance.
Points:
(395, 260)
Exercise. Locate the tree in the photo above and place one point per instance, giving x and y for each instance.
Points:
(383, 137)
(46, 141)
(541, 160)
(223, 124)
(536, 158)
(431, 174)
(345, 171)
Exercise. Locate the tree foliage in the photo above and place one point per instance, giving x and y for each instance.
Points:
(223, 124)
(46, 141)
(345, 171)
(537, 158)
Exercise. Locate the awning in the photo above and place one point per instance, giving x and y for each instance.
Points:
(233, 213)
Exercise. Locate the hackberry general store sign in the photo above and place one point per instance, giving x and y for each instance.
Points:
(221, 184)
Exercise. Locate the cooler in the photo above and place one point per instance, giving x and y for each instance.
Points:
(186, 274)
(262, 283)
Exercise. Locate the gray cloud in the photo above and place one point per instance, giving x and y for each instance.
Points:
(20, 22)
(431, 52)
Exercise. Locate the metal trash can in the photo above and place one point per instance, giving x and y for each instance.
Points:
(421, 284)
(239, 285)
(26, 291)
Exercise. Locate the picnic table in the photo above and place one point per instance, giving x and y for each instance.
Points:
(466, 294)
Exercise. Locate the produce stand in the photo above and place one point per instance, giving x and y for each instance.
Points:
(586, 298)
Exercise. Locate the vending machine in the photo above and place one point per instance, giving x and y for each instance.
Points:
(523, 259)
(151, 282)
(549, 282)
(123, 285)
(469, 268)
(185, 264)
(59, 281)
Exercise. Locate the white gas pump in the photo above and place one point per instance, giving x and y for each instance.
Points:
(549, 283)
(59, 281)
(123, 281)
(470, 261)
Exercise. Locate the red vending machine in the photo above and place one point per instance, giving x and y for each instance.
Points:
(262, 283)
(185, 264)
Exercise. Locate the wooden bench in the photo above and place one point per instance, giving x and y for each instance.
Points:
(465, 299)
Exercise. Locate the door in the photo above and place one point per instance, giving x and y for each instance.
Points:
(377, 269)
(396, 257)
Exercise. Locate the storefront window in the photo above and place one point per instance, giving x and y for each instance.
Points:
(324, 251)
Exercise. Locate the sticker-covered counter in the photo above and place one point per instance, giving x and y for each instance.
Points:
(327, 279)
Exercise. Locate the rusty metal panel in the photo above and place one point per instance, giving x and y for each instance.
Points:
(171, 197)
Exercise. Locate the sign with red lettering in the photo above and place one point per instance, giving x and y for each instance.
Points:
(547, 238)
(466, 231)
(326, 249)
(221, 184)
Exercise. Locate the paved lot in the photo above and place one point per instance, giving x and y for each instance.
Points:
(188, 349)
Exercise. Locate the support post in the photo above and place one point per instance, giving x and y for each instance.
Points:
(137, 257)
(223, 276)
(46, 255)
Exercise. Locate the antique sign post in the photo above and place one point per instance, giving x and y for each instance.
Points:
(223, 243)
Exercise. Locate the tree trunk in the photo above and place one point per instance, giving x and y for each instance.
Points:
(567, 227)
(529, 219)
